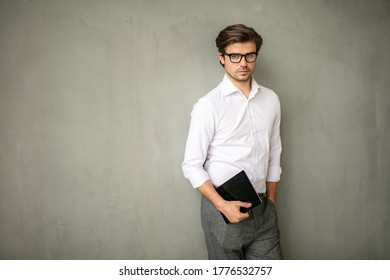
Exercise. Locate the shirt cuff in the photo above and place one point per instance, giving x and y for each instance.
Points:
(274, 173)
(198, 180)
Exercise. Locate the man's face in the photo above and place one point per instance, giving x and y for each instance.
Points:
(243, 70)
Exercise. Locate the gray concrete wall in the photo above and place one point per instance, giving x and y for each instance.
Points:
(95, 101)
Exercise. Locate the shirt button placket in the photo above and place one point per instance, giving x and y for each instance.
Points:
(253, 139)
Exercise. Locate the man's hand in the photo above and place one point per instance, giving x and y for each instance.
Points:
(231, 209)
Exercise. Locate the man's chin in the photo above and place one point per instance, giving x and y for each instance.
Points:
(243, 78)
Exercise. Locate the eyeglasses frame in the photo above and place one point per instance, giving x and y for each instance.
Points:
(242, 55)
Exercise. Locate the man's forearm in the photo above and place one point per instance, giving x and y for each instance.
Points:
(271, 191)
(208, 190)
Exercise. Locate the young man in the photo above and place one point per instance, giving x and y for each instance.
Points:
(235, 127)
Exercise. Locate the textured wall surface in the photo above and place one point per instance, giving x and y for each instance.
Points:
(95, 102)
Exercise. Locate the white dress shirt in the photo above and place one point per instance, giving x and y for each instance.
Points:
(229, 133)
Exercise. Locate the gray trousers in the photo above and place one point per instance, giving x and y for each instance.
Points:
(254, 238)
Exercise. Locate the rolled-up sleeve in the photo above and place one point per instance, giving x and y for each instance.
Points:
(200, 135)
(274, 169)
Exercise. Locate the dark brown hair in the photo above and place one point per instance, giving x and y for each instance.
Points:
(238, 33)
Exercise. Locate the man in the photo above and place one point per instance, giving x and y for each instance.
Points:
(236, 127)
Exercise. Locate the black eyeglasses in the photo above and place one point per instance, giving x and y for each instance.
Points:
(236, 57)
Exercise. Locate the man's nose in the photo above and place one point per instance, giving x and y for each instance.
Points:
(243, 61)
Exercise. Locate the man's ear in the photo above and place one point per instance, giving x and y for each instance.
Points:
(221, 59)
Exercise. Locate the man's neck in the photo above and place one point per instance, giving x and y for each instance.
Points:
(243, 86)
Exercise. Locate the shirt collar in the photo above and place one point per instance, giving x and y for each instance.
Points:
(227, 87)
